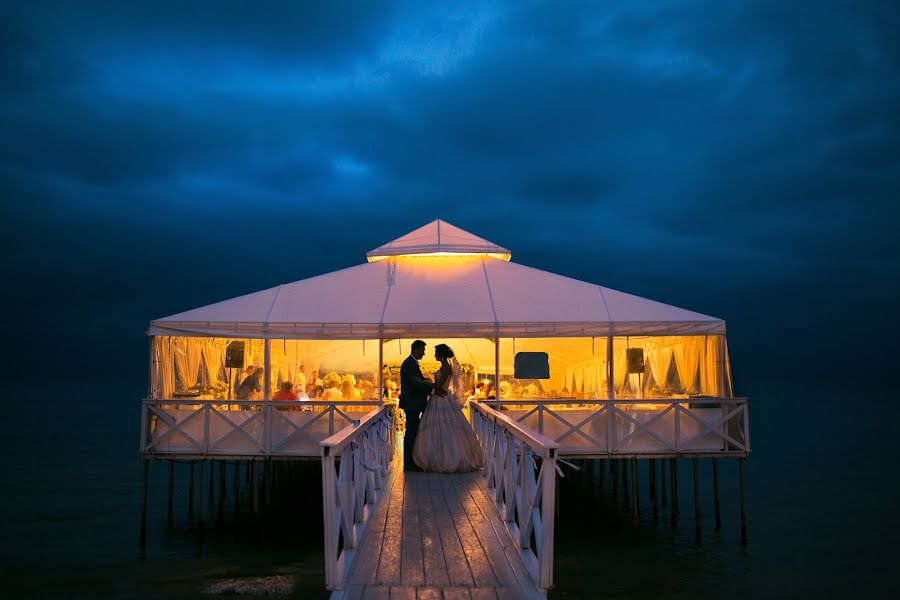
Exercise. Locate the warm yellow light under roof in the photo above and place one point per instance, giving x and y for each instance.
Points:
(491, 254)
(439, 238)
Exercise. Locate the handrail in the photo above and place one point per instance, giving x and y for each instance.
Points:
(352, 486)
(545, 445)
(337, 442)
(190, 400)
(589, 401)
(526, 501)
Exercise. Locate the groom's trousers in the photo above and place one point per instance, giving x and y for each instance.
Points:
(409, 440)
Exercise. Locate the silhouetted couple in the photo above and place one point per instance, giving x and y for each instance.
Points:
(438, 437)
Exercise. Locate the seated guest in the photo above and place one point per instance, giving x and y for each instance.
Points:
(310, 390)
(318, 391)
(286, 392)
(489, 392)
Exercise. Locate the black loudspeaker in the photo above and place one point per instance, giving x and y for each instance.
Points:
(635, 358)
(234, 355)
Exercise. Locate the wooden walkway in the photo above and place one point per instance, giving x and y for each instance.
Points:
(437, 536)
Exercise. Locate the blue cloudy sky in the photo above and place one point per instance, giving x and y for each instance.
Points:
(741, 159)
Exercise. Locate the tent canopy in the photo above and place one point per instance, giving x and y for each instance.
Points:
(436, 281)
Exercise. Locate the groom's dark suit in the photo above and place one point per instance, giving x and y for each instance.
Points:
(414, 390)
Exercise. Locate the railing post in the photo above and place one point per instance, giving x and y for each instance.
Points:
(610, 426)
(677, 411)
(328, 510)
(206, 428)
(746, 415)
(145, 435)
(526, 470)
(268, 428)
(548, 505)
(509, 479)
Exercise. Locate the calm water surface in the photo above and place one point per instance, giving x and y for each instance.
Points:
(822, 494)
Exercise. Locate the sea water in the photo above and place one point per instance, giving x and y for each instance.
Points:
(821, 496)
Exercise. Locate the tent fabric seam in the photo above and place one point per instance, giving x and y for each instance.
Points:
(605, 305)
(274, 300)
(392, 265)
(487, 283)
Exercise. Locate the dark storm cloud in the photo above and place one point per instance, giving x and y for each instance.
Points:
(740, 159)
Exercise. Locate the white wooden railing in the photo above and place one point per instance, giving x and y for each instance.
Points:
(352, 485)
(190, 427)
(524, 491)
(651, 426)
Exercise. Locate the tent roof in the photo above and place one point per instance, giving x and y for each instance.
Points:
(426, 294)
(438, 238)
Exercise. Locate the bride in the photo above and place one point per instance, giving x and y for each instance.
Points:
(446, 442)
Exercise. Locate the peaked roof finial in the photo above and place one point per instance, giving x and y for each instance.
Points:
(438, 238)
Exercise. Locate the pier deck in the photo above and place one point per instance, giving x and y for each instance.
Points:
(437, 536)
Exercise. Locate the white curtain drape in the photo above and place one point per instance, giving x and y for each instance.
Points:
(187, 362)
(660, 358)
(687, 359)
(163, 382)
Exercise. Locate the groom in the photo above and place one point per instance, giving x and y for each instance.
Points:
(414, 391)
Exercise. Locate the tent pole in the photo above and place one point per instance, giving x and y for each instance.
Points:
(380, 374)
(720, 364)
(496, 368)
(267, 369)
(610, 384)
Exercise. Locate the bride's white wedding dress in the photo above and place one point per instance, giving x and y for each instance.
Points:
(446, 442)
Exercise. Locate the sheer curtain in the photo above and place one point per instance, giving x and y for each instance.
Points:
(660, 358)
(187, 362)
(163, 374)
(687, 359)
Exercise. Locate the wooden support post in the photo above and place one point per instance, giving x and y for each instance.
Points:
(267, 481)
(743, 502)
(651, 466)
(236, 487)
(673, 475)
(143, 533)
(200, 491)
(254, 486)
(624, 465)
(221, 491)
(211, 470)
(601, 469)
(635, 508)
(190, 490)
(715, 477)
(171, 492)
(663, 480)
(614, 475)
(697, 517)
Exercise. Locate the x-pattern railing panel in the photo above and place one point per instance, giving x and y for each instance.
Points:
(355, 466)
(716, 428)
(162, 423)
(525, 500)
(651, 425)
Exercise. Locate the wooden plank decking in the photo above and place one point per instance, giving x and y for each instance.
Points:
(437, 536)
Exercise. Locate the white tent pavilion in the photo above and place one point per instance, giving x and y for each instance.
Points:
(442, 284)
(436, 281)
